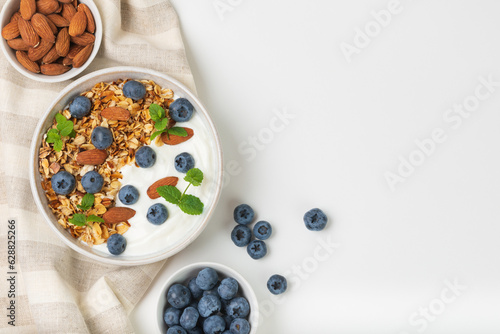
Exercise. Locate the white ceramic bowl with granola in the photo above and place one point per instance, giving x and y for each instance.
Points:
(126, 166)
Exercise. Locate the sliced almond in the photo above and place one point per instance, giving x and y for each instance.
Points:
(166, 181)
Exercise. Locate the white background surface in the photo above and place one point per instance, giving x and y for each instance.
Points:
(396, 249)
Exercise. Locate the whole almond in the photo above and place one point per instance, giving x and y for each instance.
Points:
(84, 39)
(42, 27)
(27, 32)
(40, 51)
(166, 181)
(82, 56)
(67, 61)
(53, 27)
(62, 42)
(27, 8)
(47, 7)
(175, 140)
(91, 157)
(90, 17)
(23, 59)
(118, 215)
(54, 69)
(73, 50)
(15, 17)
(66, 1)
(58, 20)
(116, 113)
(18, 44)
(51, 56)
(68, 11)
(11, 30)
(78, 24)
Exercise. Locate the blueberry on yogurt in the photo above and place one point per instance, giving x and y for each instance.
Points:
(157, 214)
(181, 110)
(128, 195)
(80, 107)
(116, 244)
(184, 162)
(145, 157)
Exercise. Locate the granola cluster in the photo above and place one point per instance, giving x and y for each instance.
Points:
(128, 136)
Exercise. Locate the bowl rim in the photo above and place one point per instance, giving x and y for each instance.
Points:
(73, 72)
(249, 295)
(34, 171)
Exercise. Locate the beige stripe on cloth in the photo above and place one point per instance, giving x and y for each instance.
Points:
(58, 290)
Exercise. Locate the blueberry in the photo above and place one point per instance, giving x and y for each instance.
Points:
(178, 296)
(238, 308)
(196, 330)
(262, 230)
(134, 90)
(172, 316)
(239, 326)
(92, 182)
(128, 195)
(184, 162)
(243, 214)
(101, 137)
(207, 278)
(257, 249)
(315, 220)
(277, 284)
(80, 107)
(63, 183)
(181, 110)
(196, 292)
(176, 330)
(214, 325)
(189, 318)
(209, 305)
(145, 157)
(228, 288)
(241, 235)
(212, 291)
(157, 214)
(116, 244)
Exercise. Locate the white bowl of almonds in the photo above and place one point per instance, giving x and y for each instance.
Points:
(126, 166)
(50, 40)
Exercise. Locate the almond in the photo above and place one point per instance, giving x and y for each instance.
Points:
(68, 11)
(11, 30)
(90, 18)
(42, 27)
(67, 61)
(40, 51)
(23, 59)
(84, 39)
(15, 17)
(73, 50)
(116, 113)
(78, 24)
(66, 1)
(174, 140)
(51, 56)
(58, 20)
(118, 215)
(62, 42)
(54, 69)
(82, 56)
(166, 181)
(91, 157)
(27, 8)
(47, 7)
(18, 44)
(27, 32)
(52, 26)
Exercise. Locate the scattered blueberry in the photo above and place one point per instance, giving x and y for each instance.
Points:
(157, 214)
(257, 249)
(214, 325)
(243, 214)
(228, 288)
(241, 235)
(92, 182)
(128, 195)
(116, 244)
(239, 326)
(184, 162)
(238, 308)
(277, 284)
(178, 296)
(181, 110)
(189, 318)
(262, 230)
(145, 157)
(80, 107)
(196, 292)
(207, 278)
(176, 330)
(172, 316)
(134, 90)
(209, 305)
(63, 183)
(315, 220)
(101, 137)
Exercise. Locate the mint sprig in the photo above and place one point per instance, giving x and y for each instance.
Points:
(189, 204)
(159, 116)
(64, 128)
(87, 202)
(79, 219)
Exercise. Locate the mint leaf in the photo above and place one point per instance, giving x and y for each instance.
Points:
(194, 176)
(170, 193)
(191, 205)
(72, 134)
(78, 219)
(58, 144)
(52, 136)
(156, 134)
(65, 128)
(87, 202)
(95, 219)
(162, 124)
(60, 119)
(177, 131)
(156, 112)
